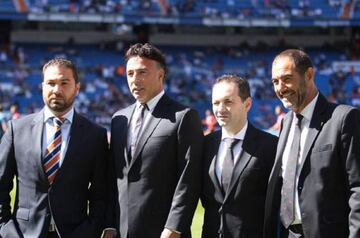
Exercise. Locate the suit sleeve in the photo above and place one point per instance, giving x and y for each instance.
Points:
(7, 173)
(350, 150)
(110, 219)
(189, 153)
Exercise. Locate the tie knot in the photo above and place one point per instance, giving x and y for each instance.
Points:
(231, 142)
(299, 118)
(58, 121)
(143, 106)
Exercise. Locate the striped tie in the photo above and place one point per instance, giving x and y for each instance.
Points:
(51, 159)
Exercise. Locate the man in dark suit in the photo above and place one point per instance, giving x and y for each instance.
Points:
(156, 146)
(59, 160)
(235, 178)
(314, 187)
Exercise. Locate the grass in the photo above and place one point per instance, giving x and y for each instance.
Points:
(197, 222)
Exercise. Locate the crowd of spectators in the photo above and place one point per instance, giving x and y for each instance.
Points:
(191, 76)
(276, 9)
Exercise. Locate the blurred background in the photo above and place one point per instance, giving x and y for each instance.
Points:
(202, 40)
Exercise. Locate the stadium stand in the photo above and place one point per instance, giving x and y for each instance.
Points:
(278, 9)
(179, 28)
(192, 72)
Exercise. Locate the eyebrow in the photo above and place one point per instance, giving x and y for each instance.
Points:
(64, 79)
(283, 76)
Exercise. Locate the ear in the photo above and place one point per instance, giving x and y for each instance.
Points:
(248, 104)
(78, 85)
(161, 75)
(309, 74)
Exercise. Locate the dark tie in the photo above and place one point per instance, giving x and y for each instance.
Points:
(228, 164)
(51, 161)
(287, 208)
(137, 122)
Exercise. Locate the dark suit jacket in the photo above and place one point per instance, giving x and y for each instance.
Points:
(67, 199)
(329, 182)
(240, 213)
(160, 186)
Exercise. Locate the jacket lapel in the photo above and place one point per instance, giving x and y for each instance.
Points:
(125, 134)
(283, 137)
(212, 171)
(315, 126)
(243, 159)
(37, 126)
(155, 117)
(75, 142)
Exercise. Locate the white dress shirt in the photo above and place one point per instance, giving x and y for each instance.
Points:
(222, 149)
(49, 130)
(307, 113)
(151, 104)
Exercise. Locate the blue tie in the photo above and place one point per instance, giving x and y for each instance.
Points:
(51, 160)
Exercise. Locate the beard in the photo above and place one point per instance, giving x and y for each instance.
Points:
(296, 99)
(59, 105)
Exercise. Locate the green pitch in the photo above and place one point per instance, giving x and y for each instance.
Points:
(197, 222)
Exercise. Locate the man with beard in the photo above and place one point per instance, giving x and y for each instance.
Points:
(314, 187)
(59, 160)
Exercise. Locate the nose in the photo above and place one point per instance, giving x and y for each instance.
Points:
(221, 107)
(281, 86)
(137, 77)
(56, 88)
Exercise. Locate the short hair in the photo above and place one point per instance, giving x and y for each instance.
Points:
(242, 84)
(60, 62)
(148, 51)
(301, 60)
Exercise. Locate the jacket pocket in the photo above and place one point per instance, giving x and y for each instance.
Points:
(322, 148)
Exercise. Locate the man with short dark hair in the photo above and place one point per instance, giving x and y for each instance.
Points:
(236, 166)
(314, 187)
(156, 150)
(59, 160)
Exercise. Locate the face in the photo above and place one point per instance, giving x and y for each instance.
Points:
(145, 78)
(59, 89)
(230, 111)
(290, 87)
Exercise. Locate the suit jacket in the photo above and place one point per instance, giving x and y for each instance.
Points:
(159, 187)
(67, 198)
(240, 212)
(329, 182)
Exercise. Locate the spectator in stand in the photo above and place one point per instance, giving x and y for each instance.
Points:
(2, 121)
(279, 116)
(209, 121)
(14, 110)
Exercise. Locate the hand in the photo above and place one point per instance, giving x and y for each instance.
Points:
(169, 234)
(109, 234)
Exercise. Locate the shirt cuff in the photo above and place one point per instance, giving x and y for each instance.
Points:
(109, 229)
(177, 232)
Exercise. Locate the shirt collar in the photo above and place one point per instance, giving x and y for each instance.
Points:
(68, 116)
(240, 135)
(152, 102)
(307, 112)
